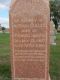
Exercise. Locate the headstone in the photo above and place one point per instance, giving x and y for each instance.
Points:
(52, 33)
(29, 25)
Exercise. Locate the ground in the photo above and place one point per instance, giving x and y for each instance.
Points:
(5, 71)
(5, 68)
(55, 60)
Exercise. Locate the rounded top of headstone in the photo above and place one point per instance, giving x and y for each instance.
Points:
(27, 10)
(14, 2)
(34, 6)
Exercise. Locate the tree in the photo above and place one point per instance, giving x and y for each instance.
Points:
(55, 8)
(3, 29)
(55, 11)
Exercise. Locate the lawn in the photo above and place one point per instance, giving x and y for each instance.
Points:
(5, 68)
(55, 60)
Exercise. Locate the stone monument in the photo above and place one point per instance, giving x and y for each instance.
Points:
(52, 33)
(29, 27)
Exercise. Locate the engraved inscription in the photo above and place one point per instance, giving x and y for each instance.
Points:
(30, 42)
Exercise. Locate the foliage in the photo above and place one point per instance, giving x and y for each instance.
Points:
(55, 12)
(55, 8)
(3, 29)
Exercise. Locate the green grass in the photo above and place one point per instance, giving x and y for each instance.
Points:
(55, 60)
(5, 69)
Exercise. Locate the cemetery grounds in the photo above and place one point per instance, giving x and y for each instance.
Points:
(5, 67)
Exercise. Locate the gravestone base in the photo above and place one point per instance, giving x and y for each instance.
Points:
(49, 77)
(29, 79)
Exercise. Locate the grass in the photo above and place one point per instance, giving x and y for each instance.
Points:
(5, 69)
(55, 60)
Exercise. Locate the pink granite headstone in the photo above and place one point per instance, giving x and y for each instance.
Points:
(29, 25)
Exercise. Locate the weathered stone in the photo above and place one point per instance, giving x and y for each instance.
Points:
(52, 33)
(29, 25)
